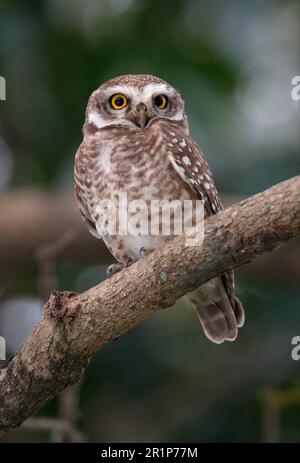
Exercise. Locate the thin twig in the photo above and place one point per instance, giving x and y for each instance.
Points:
(63, 429)
(273, 402)
(47, 256)
(55, 425)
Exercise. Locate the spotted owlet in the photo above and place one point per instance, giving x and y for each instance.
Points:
(137, 141)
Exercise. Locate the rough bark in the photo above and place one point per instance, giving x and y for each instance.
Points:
(74, 326)
(31, 219)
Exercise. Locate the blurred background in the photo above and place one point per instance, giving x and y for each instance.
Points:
(233, 62)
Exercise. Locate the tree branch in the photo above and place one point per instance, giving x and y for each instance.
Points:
(31, 219)
(73, 326)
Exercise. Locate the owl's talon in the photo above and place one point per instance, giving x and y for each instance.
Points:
(169, 238)
(129, 262)
(117, 267)
(145, 252)
(114, 268)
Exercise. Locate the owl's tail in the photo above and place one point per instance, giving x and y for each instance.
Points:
(220, 318)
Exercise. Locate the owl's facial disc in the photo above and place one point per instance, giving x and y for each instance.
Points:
(135, 106)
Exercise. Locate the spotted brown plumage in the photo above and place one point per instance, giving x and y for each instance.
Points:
(145, 150)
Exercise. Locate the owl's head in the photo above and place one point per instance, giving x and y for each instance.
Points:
(134, 101)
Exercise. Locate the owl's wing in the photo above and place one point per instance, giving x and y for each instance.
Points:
(81, 192)
(189, 162)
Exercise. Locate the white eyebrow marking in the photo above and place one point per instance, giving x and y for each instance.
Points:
(100, 122)
(149, 90)
(143, 94)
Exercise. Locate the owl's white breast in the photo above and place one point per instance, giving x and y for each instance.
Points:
(135, 163)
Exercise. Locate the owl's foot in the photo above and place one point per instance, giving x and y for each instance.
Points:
(114, 268)
(169, 238)
(145, 252)
(117, 267)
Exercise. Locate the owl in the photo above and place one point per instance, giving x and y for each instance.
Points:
(136, 140)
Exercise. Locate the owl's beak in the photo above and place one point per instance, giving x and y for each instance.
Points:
(141, 116)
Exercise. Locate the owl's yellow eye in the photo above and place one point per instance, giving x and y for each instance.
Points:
(161, 101)
(118, 101)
